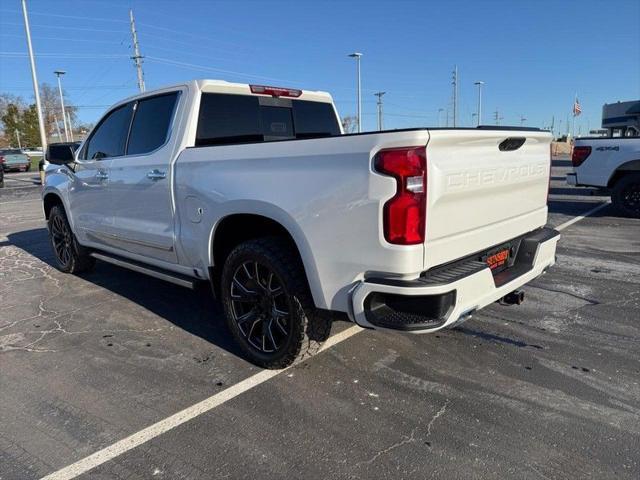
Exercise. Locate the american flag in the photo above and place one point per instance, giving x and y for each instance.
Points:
(577, 109)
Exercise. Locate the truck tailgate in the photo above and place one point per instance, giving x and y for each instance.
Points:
(483, 187)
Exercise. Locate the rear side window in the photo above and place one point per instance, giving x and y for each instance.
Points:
(110, 137)
(314, 119)
(226, 119)
(151, 122)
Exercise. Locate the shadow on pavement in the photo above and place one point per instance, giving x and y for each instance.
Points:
(561, 163)
(580, 191)
(195, 311)
(497, 338)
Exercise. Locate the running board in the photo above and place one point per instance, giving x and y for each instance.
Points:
(176, 278)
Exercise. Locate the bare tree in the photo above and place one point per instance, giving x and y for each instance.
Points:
(50, 98)
(349, 124)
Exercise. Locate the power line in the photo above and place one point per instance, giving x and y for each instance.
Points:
(75, 17)
(66, 39)
(193, 35)
(64, 55)
(67, 28)
(194, 66)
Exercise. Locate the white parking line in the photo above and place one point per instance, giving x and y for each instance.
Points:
(189, 413)
(149, 433)
(22, 201)
(584, 215)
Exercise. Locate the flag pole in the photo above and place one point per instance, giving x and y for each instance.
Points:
(573, 122)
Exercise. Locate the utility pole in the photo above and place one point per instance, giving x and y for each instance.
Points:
(70, 127)
(137, 58)
(522, 120)
(34, 78)
(55, 119)
(473, 117)
(454, 82)
(553, 124)
(357, 56)
(497, 117)
(440, 110)
(479, 83)
(380, 123)
(58, 74)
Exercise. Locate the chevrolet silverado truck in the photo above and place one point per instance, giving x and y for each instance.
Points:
(256, 190)
(609, 163)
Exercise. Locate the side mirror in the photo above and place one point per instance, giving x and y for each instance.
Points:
(60, 154)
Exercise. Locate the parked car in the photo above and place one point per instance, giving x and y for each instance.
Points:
(609, 162)
(1, 177)
(256, 190)
(14, 159)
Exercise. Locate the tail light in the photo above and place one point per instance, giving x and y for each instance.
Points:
(579, 155)
(405, 214)
(275, 91)
(1, 159)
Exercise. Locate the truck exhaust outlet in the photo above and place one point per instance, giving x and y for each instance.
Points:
(514, 298)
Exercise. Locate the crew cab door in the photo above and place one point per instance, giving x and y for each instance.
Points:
(140, 181)
(89, 197)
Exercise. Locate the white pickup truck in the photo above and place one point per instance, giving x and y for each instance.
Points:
(609, 162)
(257, 190)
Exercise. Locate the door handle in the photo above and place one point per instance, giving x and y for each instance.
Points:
(102, 175)
(156, 174)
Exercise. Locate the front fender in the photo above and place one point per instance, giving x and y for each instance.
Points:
(57, 182)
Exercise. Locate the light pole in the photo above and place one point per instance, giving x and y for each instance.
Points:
(440, 110)
(34, 78)
(357, 56)
(58, 74)
(479, 83)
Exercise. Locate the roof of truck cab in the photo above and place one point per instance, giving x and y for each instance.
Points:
(221, 86)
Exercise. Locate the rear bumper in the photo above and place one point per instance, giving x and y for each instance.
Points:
(450, 294)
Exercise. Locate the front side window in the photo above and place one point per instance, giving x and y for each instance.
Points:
(110, 137)
(151, 123)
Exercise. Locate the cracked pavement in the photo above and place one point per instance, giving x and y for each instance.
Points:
(548, 389)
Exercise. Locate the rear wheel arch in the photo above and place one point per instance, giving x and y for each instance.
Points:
(237, 228)
(632, 166)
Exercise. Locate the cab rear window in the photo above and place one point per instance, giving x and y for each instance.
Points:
(226, 119)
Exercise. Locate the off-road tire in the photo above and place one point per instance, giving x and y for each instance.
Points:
(626, 195)
(308, 327)
(77, 258)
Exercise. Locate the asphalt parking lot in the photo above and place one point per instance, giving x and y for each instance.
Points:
(548, 389)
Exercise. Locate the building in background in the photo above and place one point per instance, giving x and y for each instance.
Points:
(622, 119)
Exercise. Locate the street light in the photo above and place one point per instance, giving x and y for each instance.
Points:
(357, 56)
(479, 84)
(58, 74)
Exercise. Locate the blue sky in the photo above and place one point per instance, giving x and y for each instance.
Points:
(534, 56)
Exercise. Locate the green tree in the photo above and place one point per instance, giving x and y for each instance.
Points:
(11, 123)
(29, 129)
